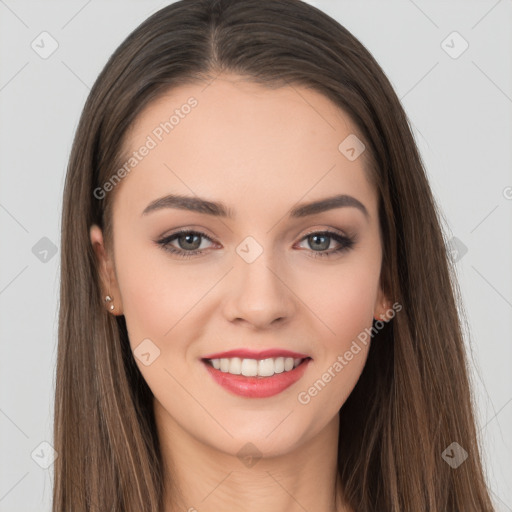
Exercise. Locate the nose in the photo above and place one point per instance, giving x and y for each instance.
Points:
(258, 294)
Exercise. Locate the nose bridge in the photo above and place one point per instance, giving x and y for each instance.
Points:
(258, 293)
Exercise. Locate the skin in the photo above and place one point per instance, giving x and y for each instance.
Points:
(260, 152)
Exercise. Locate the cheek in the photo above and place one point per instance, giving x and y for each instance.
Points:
(344, 302)
(330, 385)
(352, 312)
(342, 298)
(153, 298)
(342, 351)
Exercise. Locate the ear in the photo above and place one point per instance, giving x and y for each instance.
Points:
(109, 285)
(382, 304)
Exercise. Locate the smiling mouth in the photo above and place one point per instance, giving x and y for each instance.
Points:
(255, 367)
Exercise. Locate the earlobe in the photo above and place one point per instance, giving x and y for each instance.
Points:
(111, 296)
(382, 305)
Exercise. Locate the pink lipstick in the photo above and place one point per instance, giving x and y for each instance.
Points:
(254, 374)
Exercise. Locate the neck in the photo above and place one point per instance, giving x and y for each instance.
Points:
(201, 477)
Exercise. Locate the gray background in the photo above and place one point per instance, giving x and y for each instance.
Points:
(460, 109)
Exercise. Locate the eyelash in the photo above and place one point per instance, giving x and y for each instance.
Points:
(346, 243)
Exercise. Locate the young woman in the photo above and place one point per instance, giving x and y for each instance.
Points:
(257, 306)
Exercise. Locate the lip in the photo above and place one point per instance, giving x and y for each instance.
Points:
(257, 387)
(244, 353)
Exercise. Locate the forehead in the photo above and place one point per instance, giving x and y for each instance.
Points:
(235, 141)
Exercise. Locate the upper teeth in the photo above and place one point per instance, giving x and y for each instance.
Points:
(255, 367)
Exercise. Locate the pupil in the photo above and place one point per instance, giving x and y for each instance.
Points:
(315, 237)
(187, 240)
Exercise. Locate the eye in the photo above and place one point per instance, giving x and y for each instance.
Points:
(189, 243)
(321, 240)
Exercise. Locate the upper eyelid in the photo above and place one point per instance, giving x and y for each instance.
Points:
(186, 231)
(329, 231)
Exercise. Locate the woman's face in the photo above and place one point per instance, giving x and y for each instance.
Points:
(254, 270)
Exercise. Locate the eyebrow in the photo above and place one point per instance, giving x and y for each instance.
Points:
(219, 209)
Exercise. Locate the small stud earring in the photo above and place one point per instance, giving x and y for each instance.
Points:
(108, 299)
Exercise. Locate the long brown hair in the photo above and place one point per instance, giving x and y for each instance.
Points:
(413, 398)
